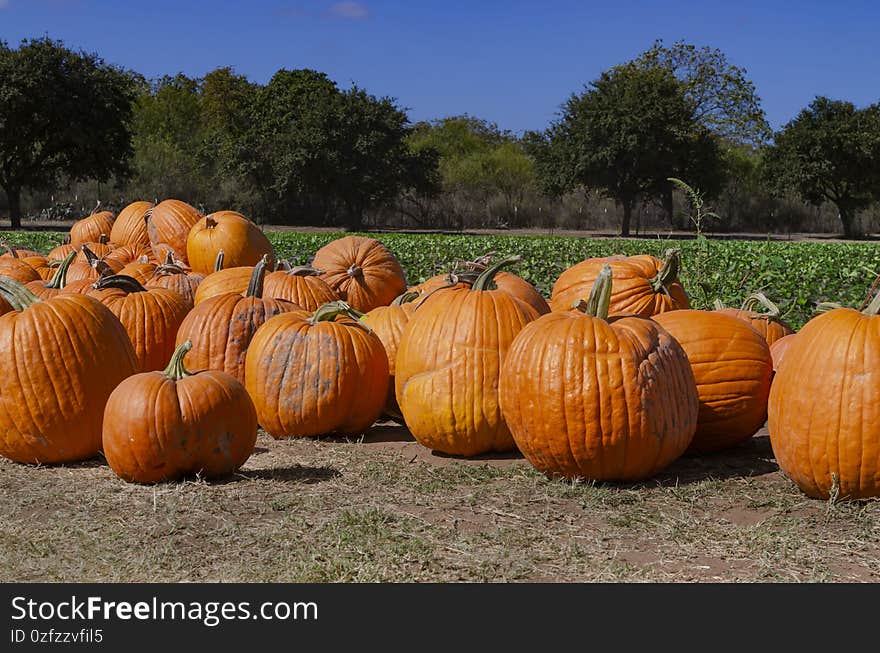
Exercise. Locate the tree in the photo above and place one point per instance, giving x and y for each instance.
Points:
(62, 113)
(829, 152)
(626, 134)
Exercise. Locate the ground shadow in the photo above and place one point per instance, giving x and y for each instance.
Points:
(258, 450)
(291, 474)
(754, 457)
(491, 456)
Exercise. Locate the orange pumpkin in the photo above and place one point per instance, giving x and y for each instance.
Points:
(768, 323)
(243, 243)
(643, 285)
(168, 225)
(91, 228)
(823, 416)
(221, 328)
(301, 285)
(732, 367)
(222, 281)
(588, 396)
(126, 254)
(161, 426)
(779, 348)
(130, 226)
(60, 359)
(449, 362)
(150, 317)
(173, 276)
(316, 373)
(45, 290)
(15, 268)
(362, 271)
(141, 270)
(89, 266)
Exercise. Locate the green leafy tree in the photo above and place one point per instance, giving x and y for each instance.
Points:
(829, 153)
(62, 114)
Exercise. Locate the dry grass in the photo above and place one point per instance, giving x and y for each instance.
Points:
(385, 509)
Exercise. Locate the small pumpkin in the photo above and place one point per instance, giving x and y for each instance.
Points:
(130, 227)
(127, 254)
(174, 276)
(44, 289)
(362, 271)
(161, 426)
(60, 359)
(316, 373)
(599, 398)
(168, 225)
(242, 242)
(91, 228)
(768, 322)
(223, 280)
(449, 362)
(300, 284)
(15, 268)
(142, 270)
(89, 266)
(643, 285)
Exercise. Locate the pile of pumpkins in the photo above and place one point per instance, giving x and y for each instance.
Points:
(162, 338)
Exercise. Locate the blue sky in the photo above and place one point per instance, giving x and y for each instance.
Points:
(512, 63)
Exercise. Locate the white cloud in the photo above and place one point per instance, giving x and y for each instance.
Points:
(350, 10)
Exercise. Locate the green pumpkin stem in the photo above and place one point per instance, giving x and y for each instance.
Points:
(405, 298)
(486, 279)
(668, 273)
(59, 279)
(331, 310)
(303, 271)
(121, 281)
(255, 287)
(598, 303)
(16, 295)
(874, 307)
(760, 299)
(176, 369)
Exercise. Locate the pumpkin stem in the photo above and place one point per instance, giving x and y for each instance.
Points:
(121, 281)
(355, 271)
(600, 296)
(405, 298)
(255, 287)
(218, 262)
(281, 264)
(753, 300)
(824, 307)
(16, 295)
(486, 279)
(210, 222)
(303, 271)
(11, 249)
(103, 239)
(169, 258)
(874, 307)
(59, 279)
(668, 272)
(718, 305)
(331, 310)
(176, 369)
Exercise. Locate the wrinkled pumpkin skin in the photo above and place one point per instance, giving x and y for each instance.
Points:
(168, 226)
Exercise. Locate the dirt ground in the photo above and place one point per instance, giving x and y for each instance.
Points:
(383, 508)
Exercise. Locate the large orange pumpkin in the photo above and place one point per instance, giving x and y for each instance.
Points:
(243, 243)
(168, 225)
(130, 226)
(643, 285)
(588, 396)
(732, 367)
(316, 373)
(448, 366)
(60, 359)
(300, 284)
(91, 228)
(824, 414)
(362, 271)
(150, 317)
(221, 328)
(160, 426)
(768, 322)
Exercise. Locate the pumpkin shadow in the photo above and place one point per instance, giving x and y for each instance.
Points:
(302, 474)
(754, 457)
(491, 456)
(377, 434)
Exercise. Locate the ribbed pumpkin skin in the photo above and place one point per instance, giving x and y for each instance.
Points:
(229, 280)
(91, 228)
(824, 417)
(157, 428)
(127, 254)
(309, 292)
(733, 369)
(509, 283)
(130, 227)
(13, 268)
(632, 292)
(80, 270)
(771, 328)
(60, 253)
(362, 271)
(168, 225)
(243, 243)
(306, 380)
(221, 329)
(389, 322)
(586, 398)
(185, 284)
(140, 271)
(59, 360)
(151, 320)
(779, 348)
(448, 366)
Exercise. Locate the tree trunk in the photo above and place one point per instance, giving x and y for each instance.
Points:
(14, 197)
(847, 217)
(669, 207)
(627, 217)
(354, 219)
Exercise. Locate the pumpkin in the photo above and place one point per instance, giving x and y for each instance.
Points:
(732, 367)
(42, 266)
(35, 260)
(315, 373)
(130, 227)
(45, 290)
(60, 252)
(643, 285)
(90, 266)
(599, 398)
(449, 362)
(168, 225)
(102, 248)
(60, 359)
(510, 283)
(768, 323)
(243, 243)
(823, 414)
(173, 276)
(126, 254)
(300, 284)
(222, 281)
(150, 317)
(362, 271)
(141, 270)
(161, 426)
(779, 348)
(15, 268)
(221, 328)
(388, 322)
(13, 251)
(91, 228)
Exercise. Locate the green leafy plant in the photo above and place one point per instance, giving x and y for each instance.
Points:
(698, 217)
